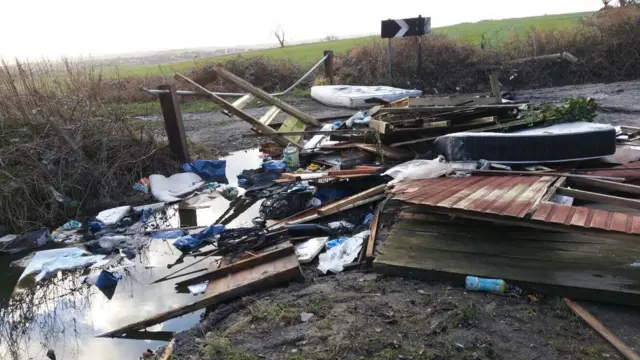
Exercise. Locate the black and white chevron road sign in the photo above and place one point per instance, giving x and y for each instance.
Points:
(406, 27)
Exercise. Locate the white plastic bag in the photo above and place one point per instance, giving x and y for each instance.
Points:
(337, 257)
(419, 169)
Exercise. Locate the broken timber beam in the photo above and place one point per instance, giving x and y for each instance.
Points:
(264, 96)
(352, 200)
(373, 230)
(237, 266)
(602, 330)
(281, 140)
(229, 287)
(609, 185)
(599, 198)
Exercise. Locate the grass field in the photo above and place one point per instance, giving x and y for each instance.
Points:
(492, 30)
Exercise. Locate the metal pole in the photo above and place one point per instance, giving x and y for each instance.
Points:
(196, 93)
(389, 58)
(419, 55)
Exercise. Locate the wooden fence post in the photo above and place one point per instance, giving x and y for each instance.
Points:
(328, 66)
(173, 122)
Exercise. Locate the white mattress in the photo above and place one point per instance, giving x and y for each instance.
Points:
(354, 97)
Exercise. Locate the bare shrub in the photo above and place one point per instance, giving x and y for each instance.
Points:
(63, 132)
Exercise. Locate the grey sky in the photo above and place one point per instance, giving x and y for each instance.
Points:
(79, 27)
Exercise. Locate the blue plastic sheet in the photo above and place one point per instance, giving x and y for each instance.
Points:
(172, 234)
(208, 170)
(190, 242)
(274, 166)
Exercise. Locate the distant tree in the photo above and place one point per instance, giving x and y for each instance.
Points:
(623, 3)
(606, 3)
(279, 34)
(330, 38)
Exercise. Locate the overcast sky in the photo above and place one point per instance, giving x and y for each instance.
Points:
(52, 28)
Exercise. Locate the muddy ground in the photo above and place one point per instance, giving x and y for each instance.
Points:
(359, 315)
(362, 315)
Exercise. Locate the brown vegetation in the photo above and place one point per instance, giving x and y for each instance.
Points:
(65, 148)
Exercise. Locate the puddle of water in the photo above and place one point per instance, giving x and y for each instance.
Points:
(64, 315)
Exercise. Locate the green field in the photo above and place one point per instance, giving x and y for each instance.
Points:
(492, 30)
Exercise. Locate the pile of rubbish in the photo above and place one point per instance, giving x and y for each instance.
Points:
(435, 173)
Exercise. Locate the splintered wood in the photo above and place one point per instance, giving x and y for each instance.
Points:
(243, 282)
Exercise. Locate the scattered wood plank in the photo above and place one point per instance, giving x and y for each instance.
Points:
(602, 330)
(381, 127)
(168, 351)
(383, 150)
(235, 285)
(281, 140)
(541, 173)
(543, 262)
(550, 192)
(373, 230)
(608, 185)
(495, 88)
(599, 198)
(452, 101)
(266, 256)
(292, 124)
(338, 206)
(266, 97)
(542, 225)
(244, 101)
(271, 114)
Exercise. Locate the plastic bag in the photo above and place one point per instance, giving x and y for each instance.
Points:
(337, 257)
(419, 169)
(190, 242)
(209, 170)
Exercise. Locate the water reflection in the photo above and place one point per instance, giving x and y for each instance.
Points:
(65, 314)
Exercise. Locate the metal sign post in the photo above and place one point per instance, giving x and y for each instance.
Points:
(405, 28)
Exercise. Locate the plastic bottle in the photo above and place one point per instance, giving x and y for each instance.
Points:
(496, 286)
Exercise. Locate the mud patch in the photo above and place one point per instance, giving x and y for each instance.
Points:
(368, 316)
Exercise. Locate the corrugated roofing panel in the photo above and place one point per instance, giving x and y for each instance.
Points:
(588, 218)
(500, 195)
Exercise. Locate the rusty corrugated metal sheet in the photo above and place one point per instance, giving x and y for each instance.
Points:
(501, 195)
(587, 218)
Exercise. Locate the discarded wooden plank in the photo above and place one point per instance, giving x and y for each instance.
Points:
(168, 351)
(281, 140)
(381, 127)
(609, 185)
(311, 132)
(268, 255)
(457, 100)
(541, 173)
(495, 88)
(241, 283)
(599, 198)
(271, 114)
(244, 101)
(602, 330)
(264, 96)
(439, 252)
(550, 192)
(373, 230)
(381, 149)
(173, 123)
(534, 224)
(292, 124)
(333, 208)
